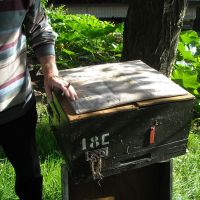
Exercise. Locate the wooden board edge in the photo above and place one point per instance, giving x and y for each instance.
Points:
(164, 100)
(73, 117)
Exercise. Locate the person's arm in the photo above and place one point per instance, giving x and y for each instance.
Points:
(42, 39)
(52, 79)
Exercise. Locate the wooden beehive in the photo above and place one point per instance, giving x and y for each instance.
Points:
(149, 123)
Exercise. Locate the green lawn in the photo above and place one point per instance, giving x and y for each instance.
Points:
(51, 172)
(186, 168)
(186, 173)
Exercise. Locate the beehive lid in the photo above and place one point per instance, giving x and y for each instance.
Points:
(113, 84)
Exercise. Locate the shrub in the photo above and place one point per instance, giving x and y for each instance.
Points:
(84, 39)
(186, 70)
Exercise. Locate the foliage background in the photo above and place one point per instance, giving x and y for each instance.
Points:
(186, 70)
(84, 40)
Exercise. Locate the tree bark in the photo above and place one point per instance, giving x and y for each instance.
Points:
(151, 32)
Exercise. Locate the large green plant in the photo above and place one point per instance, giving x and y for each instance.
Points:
(186, 70)
(44, 2)
(84, 39)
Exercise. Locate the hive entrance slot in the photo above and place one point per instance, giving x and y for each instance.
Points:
(136, 160)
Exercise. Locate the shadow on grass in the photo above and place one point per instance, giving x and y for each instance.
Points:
(46, 143)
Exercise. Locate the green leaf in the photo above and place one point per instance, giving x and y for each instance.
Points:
(190, 79)
(197, 105)
(187, 55)
(89, 49)
(71, 53)
(189, 37)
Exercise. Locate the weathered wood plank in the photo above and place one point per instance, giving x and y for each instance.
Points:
(73, 117)
(64, 182)
(152, 182)
(164, 100)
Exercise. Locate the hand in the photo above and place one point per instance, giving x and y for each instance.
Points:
(59, 82)
(51, 79)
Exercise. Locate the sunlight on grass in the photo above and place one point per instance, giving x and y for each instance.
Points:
(51, 170)
(6, 181)
(186, 173)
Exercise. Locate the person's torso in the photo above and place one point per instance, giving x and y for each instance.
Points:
(15, 84)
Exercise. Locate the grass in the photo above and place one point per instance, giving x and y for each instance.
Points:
(51, 173)
(186, 171)
(186, 168)
(50, 156)
(6, 181)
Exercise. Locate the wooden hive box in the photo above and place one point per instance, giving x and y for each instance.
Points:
(141, 119)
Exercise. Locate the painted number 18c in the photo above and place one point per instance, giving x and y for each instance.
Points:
(95, 141)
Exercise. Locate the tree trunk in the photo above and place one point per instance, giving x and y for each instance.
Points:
(151, 32)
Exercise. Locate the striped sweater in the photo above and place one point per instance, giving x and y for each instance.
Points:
(21, 21)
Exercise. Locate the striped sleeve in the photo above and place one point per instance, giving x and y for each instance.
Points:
(39, 33)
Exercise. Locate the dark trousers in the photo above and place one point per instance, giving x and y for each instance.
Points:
(17, 139)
